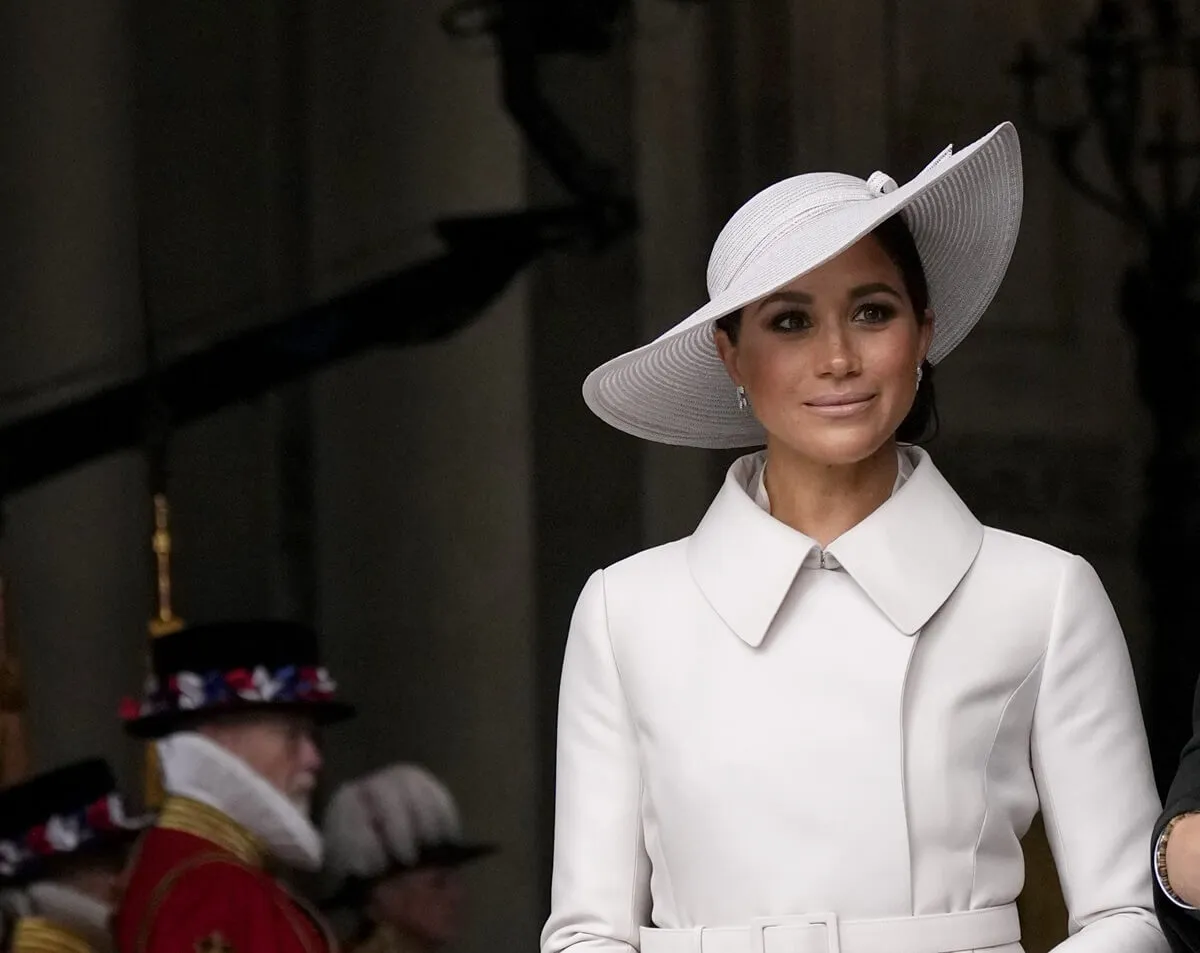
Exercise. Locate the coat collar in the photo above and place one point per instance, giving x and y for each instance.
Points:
(908, 556)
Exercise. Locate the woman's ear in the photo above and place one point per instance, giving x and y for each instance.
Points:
(926, 335)
(727, 352)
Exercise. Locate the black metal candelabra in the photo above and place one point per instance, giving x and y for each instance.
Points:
(1128, 59)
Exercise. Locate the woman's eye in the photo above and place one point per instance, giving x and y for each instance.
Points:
(875, 313)
(790, 321)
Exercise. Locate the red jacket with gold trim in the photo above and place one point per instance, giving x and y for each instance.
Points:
(197, 885)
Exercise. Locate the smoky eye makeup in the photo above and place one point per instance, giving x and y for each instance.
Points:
(787, 319)
(876, 312)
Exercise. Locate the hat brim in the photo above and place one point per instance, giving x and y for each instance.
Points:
(964, 211)
(42, 867)
(162, 724)
(353, 890)
(454, 855)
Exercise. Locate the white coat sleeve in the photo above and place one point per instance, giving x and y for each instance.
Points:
(600, 895)
(1092, 767)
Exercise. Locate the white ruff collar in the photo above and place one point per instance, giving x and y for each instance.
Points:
(197, 768)
(72, 910)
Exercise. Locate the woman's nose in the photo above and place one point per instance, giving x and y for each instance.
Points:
(838, 355)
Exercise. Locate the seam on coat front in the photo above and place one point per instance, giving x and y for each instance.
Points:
(1051, 818)
(639, 839)
(987, 805)
(912, 651)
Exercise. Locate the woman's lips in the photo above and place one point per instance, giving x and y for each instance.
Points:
(839, 405)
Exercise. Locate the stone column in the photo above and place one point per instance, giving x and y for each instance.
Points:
(424, 468)
(75, 547)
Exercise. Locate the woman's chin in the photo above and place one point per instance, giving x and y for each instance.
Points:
(837, 447)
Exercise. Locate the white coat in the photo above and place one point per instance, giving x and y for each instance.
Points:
(758, 754)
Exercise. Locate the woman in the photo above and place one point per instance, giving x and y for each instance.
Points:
(824, 721)
(394, 852)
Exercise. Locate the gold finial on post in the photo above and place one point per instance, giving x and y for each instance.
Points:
(164, 622)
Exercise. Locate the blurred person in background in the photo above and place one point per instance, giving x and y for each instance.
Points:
(235, 708)
(394, 853)
(65, 839)
(1177, 849)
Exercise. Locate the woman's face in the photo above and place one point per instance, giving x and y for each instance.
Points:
(829, 362)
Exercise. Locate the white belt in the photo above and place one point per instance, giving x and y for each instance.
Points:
(825, 933)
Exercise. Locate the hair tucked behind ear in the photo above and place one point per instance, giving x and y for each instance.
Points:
(894, 236)
(921, 423)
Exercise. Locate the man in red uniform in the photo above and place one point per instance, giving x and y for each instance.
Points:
(235, 707)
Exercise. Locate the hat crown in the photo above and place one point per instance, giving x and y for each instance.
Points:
(71, 787)
(389, 817)
(231, 644)
(777, 210)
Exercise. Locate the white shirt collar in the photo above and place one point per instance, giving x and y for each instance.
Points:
(818, 558)
(908, 556)
(73, 910)
(758, 485)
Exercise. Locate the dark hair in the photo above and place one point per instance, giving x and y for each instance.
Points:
(894, 236)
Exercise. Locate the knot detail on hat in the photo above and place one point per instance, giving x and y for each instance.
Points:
(880, 183)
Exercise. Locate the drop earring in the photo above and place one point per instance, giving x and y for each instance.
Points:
(743, 401)
(920, 374)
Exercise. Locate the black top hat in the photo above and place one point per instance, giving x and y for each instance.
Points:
(225, 667)
(61, 814)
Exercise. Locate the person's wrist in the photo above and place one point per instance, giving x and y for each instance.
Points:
(1178, 858)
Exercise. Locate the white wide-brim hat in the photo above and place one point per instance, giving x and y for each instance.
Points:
(963, 209)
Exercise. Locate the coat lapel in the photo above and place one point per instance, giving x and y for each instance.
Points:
(908, 556)
(742, 558)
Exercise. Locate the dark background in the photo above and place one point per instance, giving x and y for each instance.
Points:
(436, 509)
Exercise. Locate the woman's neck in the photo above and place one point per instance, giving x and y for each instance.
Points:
(823, 501)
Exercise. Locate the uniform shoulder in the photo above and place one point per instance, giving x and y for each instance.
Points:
(217, 888)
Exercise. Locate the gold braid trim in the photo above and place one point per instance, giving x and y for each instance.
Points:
(39, 935)
(200, 820)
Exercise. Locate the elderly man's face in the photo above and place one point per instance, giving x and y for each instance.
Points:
(282, 748)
